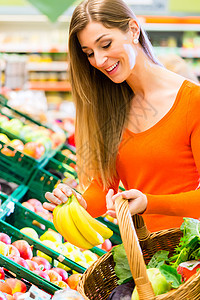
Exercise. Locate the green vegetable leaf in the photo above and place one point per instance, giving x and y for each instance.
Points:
(122, 269)
(190, 228)
(171, 275)
(158, 259)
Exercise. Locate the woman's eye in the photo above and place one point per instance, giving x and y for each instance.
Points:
(90, 54)
(107, 45)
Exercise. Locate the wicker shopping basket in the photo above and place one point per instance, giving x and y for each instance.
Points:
(100, 279)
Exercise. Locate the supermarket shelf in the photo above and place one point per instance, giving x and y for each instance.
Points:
(171, 27)
(184, 52)
(61, 86)
(48, 66)
(24, 48)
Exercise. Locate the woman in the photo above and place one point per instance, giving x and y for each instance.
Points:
(136, 121)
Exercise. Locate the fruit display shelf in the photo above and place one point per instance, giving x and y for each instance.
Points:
(9, 227)
(17, 164)
(48, 175)
(8, 190)
(18, 269)
(63, 158)
(32, 219)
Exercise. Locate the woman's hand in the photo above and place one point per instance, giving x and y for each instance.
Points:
(137, 201)
(60, 195)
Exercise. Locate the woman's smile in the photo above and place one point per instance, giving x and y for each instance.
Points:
(113, 68)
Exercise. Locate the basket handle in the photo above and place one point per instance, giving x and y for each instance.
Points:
(142, 232)
(133, 250)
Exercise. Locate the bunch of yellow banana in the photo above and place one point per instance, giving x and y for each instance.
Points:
(77, 226)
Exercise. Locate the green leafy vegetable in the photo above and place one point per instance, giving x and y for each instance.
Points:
(158, 259)
(171, 275)
(122, 269)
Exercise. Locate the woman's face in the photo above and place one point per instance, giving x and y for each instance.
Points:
(109, 50)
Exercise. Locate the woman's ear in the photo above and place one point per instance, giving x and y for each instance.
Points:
(134, 29)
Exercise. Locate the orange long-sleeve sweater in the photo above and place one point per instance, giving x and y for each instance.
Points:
(163, 162)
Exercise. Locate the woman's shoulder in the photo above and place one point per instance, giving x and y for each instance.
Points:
(193, 103)
(195, 87)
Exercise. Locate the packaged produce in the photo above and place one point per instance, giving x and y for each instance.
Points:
(67, 295)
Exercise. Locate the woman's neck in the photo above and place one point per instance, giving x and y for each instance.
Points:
(147, 76)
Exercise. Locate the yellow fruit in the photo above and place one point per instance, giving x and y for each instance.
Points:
(50, 245)
(30, 232)
(51, 236)
(90, 256)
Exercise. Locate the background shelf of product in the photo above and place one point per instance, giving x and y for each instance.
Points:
(42, 53)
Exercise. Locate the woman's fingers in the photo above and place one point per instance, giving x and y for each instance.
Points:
(110, 204)
(109, 201)
(60, 195)
(49, 206)
(52, 198)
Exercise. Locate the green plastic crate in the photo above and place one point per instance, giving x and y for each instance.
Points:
(27, 216)
(20, 167)
(116, 237)
(64, 159)
(23, 273)
(17, 168)
(9, 226)
(43, 181)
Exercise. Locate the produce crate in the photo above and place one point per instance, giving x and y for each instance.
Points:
(64, 159)
(27, 216)
(9, 227)
(18, 165)
(116, 237)
(6, 205)
(27, 276)
(43, 181)
(17, 168)
(22, 272)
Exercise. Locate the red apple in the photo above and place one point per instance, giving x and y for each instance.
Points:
(29, 206)
(5, 238)
(32, 265)
(2, 274)
(107, 245)
(24, 248)
(16, 285)
(42, 274)
(61, 284)
(20, 261)
(17, 144)
(42, 262)
(53, 276)
(36, 203)
(73, 280)
(34, 149)
(61, 272)
(5, 288)
(13, 251)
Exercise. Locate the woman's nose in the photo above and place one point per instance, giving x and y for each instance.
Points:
(100, 60)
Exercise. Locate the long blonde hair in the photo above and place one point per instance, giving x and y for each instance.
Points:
(102, 106)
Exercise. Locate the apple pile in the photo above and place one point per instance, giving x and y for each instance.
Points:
(36, 206)
(11, 288)
(21, 253)
(38, 138)
(33, 149)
